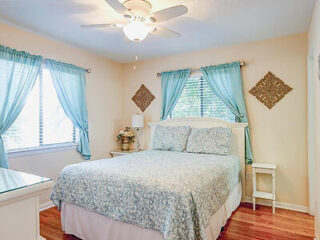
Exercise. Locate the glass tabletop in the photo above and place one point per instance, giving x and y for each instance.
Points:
(11, 180)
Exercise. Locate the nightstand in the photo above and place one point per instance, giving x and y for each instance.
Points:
(266, 169)
(117, 153)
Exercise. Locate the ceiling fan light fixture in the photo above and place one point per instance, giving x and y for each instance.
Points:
(136, 31)
(140, 20)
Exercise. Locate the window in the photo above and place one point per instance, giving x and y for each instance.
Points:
(42, 123)
(198, 100)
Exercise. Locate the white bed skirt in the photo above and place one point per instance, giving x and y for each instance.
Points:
(92, 226)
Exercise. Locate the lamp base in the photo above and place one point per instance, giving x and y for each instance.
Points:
(137, 148)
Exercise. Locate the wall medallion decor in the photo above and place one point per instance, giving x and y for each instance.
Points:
(270, 90)
(143, 98)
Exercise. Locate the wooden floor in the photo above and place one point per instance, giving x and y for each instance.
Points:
(244, 224)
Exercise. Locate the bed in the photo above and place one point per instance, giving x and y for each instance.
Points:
(158, 195)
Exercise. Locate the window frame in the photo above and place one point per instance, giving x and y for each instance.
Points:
(44, 148)
(21, 152)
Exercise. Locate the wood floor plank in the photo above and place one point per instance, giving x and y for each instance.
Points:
(244, 224)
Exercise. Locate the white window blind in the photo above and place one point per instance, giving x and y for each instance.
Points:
(198, 100)
(42, 122)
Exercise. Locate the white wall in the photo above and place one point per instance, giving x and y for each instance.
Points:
(278, 135)
(104, 86)
(314, 113)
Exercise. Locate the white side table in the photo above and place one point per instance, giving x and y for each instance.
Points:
(266, 169)
(19, 204)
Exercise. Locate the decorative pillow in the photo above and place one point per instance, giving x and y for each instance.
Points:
(210, 140)
(170, 138)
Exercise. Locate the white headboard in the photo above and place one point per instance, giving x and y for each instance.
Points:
(238, 135)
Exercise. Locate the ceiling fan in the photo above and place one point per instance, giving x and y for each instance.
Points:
(139, 21)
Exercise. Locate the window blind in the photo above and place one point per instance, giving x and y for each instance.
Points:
(198, 100)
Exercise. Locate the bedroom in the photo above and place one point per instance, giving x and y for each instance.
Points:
(213, 33)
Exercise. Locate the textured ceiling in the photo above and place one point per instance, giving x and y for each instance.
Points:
(209, 23)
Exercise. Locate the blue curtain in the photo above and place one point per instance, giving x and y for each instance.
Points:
(18, 74)
(172, 84)
(226, 82)
(70, 84)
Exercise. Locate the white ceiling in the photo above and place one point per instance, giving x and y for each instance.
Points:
(209, 23)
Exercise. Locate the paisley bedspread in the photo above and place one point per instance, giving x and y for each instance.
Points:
(174, 193)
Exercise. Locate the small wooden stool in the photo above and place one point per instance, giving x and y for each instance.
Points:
(267, 169)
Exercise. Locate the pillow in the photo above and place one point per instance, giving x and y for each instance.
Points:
(215, 140)
(170, 138)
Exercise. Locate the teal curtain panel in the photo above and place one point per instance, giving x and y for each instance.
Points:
(18, 74)
(70, 84)
(172, 84)
(226, 82)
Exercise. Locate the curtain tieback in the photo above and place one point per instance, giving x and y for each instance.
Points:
(239, 118)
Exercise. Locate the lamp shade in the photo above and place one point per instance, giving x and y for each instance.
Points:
(137, 121)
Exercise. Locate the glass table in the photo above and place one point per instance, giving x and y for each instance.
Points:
(11, 180)
(19, 204)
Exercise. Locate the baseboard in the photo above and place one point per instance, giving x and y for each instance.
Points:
(282, 205)
(45, 206)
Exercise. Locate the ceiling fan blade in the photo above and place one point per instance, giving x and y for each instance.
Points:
(161, 31)
(168, 13)
(103, 25)
(117, 6)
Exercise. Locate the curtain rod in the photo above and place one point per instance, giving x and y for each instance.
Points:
(88, 70)
(242, 64)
